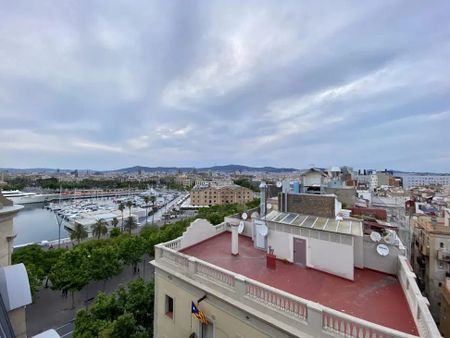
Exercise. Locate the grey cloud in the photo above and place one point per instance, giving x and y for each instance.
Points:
(111, 84)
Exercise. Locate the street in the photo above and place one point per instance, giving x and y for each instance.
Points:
(50, 310)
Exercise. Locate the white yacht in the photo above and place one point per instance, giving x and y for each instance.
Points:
(19, 197)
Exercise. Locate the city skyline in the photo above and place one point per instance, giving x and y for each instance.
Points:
(200, 84)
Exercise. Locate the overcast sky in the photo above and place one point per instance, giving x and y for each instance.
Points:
(109, 84)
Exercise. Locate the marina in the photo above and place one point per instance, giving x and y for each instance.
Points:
(38, 223)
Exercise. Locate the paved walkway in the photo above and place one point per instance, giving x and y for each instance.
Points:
(52, 311)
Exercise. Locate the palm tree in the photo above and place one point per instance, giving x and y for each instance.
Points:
(121, 208)
(147, 201)
(99, 228)
(153, 199)
(78, 233)
(130, 224)
(129, 205)
(114, 222)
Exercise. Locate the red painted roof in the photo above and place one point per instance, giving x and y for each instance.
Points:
(373, 296)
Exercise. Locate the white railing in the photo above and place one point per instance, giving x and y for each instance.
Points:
(341, 324)
(417, 303)
(215, 273)
(277, 299)
(310, 317)
(174, 244)
(175, 257)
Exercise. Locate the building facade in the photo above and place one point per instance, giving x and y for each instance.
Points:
(417, 180)
(431, 258)
(218, 195)
(14, 286)
(444, 317)
(293, 275)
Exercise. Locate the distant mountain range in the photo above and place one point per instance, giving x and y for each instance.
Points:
(135, 169)
(223, 168)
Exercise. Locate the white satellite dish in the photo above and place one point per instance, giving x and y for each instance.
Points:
(382, 250)
(263, 230)
(279, 184)
(244, 216)
(375, 236)
(241, 227)
(269, 206)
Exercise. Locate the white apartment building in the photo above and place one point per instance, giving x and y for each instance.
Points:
(323, 278)
(417, 180)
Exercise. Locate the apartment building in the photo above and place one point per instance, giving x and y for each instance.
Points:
(286, 274)
(15, 292)
(431, 257)
(417, 180)
(444, 318)
(220, 194)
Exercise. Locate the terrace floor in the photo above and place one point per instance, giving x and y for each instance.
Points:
(373, 296)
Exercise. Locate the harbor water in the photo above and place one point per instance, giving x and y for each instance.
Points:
(34, 224)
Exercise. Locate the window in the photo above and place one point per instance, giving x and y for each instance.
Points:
(169, 307)
(441, 245)
(207, 331)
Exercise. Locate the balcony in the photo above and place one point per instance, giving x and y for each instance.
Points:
(443, 255)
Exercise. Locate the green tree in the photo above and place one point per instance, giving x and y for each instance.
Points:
(103, 264)
(87, 325)
(131, 250)
(121, 207)
(114, 222)
(51, 257)
(128, 312)
(71, 273)
(130, 224)
(99, 228)
(123, 326)
(129, 206)
(78, 233)
(115, 232)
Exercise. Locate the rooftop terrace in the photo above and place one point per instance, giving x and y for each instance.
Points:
(373, 296)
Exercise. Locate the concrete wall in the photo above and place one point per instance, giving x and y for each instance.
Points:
(358, 250)
(229, 321)
(311, 178)
(328, 256)
(334, 258)
(372, 260)
(344, 195)
(309, 204)
(198, 231)
(6, 229)
(18, 322)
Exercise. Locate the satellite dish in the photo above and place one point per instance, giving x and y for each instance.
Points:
(269, 206)
(390, 237)
(241, 227)
(382, 250)
(263, 230)
(244, 216)
(375, 236)
(279, 184)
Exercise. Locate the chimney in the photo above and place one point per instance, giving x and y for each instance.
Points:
(263, 191)
(234, 240)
